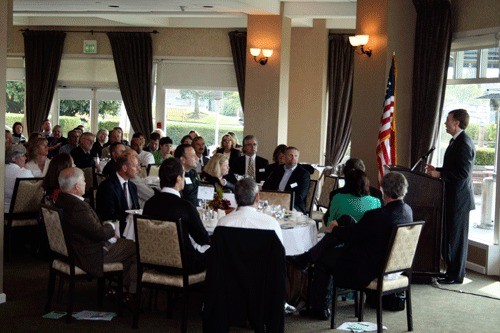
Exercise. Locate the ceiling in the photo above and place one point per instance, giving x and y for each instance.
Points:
(339, 14)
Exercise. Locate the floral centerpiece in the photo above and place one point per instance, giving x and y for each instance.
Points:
(219, 202)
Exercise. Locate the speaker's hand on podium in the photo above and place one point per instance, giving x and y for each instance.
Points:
(431, 171)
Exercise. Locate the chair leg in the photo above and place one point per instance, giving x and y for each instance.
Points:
(120, 293)
(361, 306)
(409, 316)
(333, 318)
(137, 306)
(100, 291)
(356, 303)
(71, 292)
(170, 303)
(50, 289)
(379, 313)
(60, 289)
(185, 310)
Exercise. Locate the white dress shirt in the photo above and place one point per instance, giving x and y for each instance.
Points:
(145, 158)
(35, 170)
(286, 177)
(248, 217)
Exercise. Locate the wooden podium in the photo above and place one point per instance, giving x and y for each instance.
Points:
(426, 198)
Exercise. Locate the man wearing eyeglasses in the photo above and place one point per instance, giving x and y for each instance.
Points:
(251, 165)
(82, 155)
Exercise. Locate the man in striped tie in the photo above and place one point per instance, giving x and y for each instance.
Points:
(251, 165)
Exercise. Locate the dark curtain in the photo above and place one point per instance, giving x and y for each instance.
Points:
(340, 77)
(431, 58)
(238, 40)
(42, 53)
(133, 56)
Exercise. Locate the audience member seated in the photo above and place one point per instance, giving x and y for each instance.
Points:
(38, 157)
(227, 148)
(116, 194)
(73, 137)
(168, 205)
(199, 148)
(355, 200)
(216, 172)
(15, 158)
(137, 144)
(17, 133)
(56, 141)
(116, 149)
(165, 150)
(82, 155)
(236, 145)
(353, 252)
(246, 193)
(8, 139)
(51, 182)
(100, 142)
(292, 177)
(193, 134)
(251, 165)
(154, 142)
(114, 136)
(278, 159)
(186, 140)
(350, 165)
(122, 140)
(93, 243)
(45, 129)
(186, 155)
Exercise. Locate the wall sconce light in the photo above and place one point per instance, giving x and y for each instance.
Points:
(266, 53)
(360, 40)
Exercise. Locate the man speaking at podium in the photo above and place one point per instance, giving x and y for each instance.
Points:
(456, 173)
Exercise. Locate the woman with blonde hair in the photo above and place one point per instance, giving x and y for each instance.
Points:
(38, 152)
(216, 172)
(227, 147)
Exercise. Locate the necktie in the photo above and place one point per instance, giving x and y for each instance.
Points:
(127, 197)
(251, 168)
(451, 141)
(201, 161)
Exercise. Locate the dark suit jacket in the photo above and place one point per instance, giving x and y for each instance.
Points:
(81, 159)
(457, 173)
(260, 167)
(235, 154)
(366, 244)
(87, 234)
(230, 181)
(300, 180)
(170, 207)
(109, 168)
(190, 191)
(110, 200)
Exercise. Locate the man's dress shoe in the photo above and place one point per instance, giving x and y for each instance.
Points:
(448, 280)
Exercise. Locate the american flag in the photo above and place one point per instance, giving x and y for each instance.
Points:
(386, 144)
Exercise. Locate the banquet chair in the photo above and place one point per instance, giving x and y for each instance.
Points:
(284, 199)
(153, 170)
(311, 196)
(62, 263)
(245, 281)
(24, 208)
(143, 173)
(162, 261)
(399, 259)
(329, 184)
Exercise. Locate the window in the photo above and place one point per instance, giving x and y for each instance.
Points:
(474, 84)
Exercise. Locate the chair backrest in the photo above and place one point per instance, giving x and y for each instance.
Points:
(99, 178)
(284, 199)
(88, 173)
(153, 170)
(27, 196)
(158, 242)
(329, 184)
(53, 226)
(311, 195)
(143, 173)
(403, 246)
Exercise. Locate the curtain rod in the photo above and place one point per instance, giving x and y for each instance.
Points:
(93, 31)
